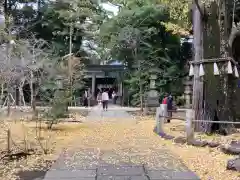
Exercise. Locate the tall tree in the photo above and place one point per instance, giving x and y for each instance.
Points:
(217, 90)
(62, 24)
(178, 12)
(59, 16)
(138, 36)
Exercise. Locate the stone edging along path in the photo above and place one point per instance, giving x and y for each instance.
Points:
(232, 149)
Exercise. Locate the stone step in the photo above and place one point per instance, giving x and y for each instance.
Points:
(80, 174)
(122, 178)
(171, 175)
(119, 173)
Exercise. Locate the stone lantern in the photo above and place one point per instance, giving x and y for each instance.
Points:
(153, 78)
(59, 82)
(153, 95)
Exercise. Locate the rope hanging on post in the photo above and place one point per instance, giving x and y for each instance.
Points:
(191, 73)
(201, 70)
(215, 69)
(236, 72)
(229, 68)
(217, 60)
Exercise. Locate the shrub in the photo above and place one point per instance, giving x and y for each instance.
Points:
(59, 108)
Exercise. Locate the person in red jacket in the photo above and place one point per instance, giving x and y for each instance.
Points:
(165, 99)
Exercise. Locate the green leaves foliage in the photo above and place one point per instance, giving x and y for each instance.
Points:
(138, 36)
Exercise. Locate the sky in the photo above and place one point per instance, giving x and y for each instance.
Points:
(110, 7)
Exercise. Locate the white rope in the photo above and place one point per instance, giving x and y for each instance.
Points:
(217, 60)
(204, 121)
(217, 122)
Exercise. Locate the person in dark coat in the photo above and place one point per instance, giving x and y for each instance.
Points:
(170, 106)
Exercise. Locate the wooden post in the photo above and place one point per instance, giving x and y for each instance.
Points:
(70, 61)
(145, 106)
(8, 141)
(158, 124)
(189, 125)
(161, 112)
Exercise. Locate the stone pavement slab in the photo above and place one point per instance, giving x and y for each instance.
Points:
(173, 175)
(120, 171)
(75, 178)
(122, 178)
(115, 112)
(67, 174)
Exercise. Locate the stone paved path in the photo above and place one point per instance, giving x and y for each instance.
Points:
(142, 161)
(113, 113)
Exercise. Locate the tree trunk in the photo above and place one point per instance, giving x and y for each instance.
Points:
(8, 51)
(2, 93)
(33, 94)
(70, 63)
(198, 55)
(33, 97)
(31, 88)
(139, 78)
(225, 108)
(22, 99)
(140, 86)
(8, 105)
(211, 50)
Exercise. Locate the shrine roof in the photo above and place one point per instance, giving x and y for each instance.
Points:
(95, 67)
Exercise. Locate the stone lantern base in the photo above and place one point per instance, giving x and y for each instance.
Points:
(152, 102)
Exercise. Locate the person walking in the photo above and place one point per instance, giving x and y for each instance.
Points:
(99, 97)
(105, 99)
(169, 107)
(85, 99)
(114, 97)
